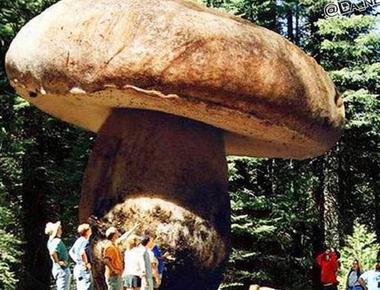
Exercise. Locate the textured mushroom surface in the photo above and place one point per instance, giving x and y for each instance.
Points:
(180, 58)
(169, 175)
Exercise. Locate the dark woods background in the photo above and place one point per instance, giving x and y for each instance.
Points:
(283, 210)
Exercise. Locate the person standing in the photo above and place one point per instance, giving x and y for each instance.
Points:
(113, 260)
(159, 268)
(370, 280)
(81, 253)
(328, 262)
(59, 256)
(353, 276)
(147, 278)
(112, 257)
(134, 264)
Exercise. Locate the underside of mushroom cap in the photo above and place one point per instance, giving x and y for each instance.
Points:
(177, 57)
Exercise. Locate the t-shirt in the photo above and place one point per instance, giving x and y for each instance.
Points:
(80, 245)
(372, 279)
(134, 263)
(157, 253)
(57, 246)
(138, 262)
(352, 279)
(113, 254)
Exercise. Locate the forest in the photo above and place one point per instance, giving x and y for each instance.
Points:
(283, 211)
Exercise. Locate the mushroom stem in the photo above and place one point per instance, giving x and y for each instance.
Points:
(169, 174)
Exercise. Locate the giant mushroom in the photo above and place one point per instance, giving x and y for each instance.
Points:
(171, 88)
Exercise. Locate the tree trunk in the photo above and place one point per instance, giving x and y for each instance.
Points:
(289, 20)
(376, 191)
(265, 178)
(315, 37)
(168, 174)
(346, 220)
(36, 261)
(298, 33)
(273, 25)
(319, 227)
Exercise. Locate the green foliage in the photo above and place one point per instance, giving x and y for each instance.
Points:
(360, 245)
(350, 48)
(272, 224)
(38, 149)
(349, 42)
(358, 77)
(362, 109)
(9, 244)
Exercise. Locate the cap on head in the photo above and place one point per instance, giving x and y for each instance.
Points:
(271, 99)
(111, 231)
(51, 229)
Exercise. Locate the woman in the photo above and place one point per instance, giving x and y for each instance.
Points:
(353, 276)
(59, 256)
(134, 267)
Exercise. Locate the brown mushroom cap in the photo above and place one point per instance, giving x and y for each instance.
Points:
(81, 58)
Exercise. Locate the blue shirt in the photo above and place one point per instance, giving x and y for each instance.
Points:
(157, 253)
(80, 245)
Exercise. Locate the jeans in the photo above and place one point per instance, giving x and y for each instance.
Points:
(62, 277)
(144, 285)
(83, 277)
(114, 283)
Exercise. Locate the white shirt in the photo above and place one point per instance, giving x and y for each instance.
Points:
(134, 263)
(353, 279)
(372, 279)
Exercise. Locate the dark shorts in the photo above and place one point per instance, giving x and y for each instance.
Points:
(330, 287)
(132, 281)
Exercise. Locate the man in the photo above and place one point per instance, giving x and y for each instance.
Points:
(59, 256)
(370, 280)
(328, 262)
(81, 253)
(147, 278)
(113, 260)
(158, 268)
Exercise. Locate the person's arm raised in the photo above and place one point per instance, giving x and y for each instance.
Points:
(127, 234)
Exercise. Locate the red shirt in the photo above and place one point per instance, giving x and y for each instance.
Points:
(328, 268)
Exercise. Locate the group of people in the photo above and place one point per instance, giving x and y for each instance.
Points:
(141, 268)
(329, 264)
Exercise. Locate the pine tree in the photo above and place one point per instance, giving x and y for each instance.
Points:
(360, 245)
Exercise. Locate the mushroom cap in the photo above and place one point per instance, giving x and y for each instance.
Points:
(80, 59)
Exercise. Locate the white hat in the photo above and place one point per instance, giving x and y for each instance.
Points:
(110, 231)
(51, 229)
